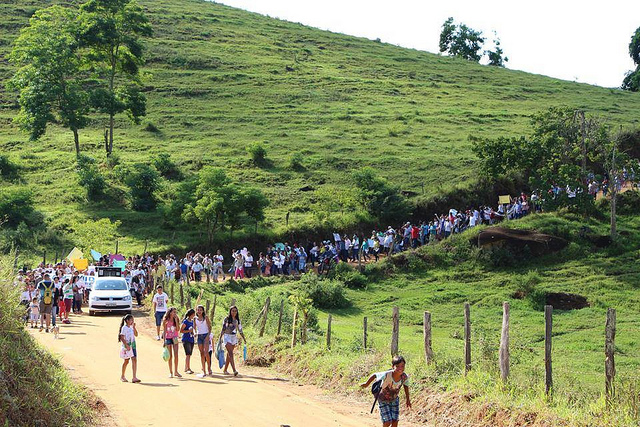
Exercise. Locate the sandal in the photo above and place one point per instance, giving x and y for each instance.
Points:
(124, 380)
(235, 373)
(177, 375)
(136, 381)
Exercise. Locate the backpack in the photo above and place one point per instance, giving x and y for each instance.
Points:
(47, 297)
(375, 390)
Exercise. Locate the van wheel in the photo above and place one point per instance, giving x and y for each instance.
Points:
(92, 313)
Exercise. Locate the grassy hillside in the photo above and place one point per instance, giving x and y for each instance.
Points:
(440, 279)
(220, 78)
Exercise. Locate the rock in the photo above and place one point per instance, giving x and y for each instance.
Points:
(538, 243)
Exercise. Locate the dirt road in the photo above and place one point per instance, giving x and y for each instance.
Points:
(89, 349)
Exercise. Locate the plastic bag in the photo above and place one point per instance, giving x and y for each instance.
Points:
(220, 354)
(165, 354)
(126, 354)
(244, 352)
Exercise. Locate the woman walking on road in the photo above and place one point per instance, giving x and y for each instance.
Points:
(230, 329)
(127, 336)
(170, 326)
(187, 331)
(203, 328)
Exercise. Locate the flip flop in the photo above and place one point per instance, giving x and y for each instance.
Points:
(124, 380)
(177, 375)
(235, 373)
(136, 381)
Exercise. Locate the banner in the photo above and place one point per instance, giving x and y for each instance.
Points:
(116, 257)
(121, 264)
(81, 263)
(74, 254)
(96, 255)
(504, 200)
(279, 246)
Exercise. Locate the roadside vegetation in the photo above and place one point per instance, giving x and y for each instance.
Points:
(35, 389)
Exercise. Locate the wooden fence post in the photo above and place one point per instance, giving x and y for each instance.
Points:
(44, 257)
(428, 351)
(467, 338)
(548, 326)
(181, 296)
(293, 328)
(504, 343)
(609, 348)
(264, 318)
(188, 300)
(56, 260)
(233, 301)
(364, 332)
(145, 247)
(213, 309)
(207, 307)
(116, 246)
(396, 331)
(173, 301)
(188, 274)
(280, 317)
(329, 332)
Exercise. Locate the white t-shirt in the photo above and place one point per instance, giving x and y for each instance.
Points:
(161, 300)
(129, 336)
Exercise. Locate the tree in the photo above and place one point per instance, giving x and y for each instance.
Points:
(50, 80)
(461, 41)
(110, 30)
(496, 58)
(378, 197)
(632, 79)
(143, 181)
(220, 203)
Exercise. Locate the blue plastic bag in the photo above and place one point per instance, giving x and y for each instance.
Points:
(244, 354)
(220, 355)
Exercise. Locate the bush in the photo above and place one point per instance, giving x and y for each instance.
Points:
(8, 169)
(90, 178)
(143, 181)
(167, 168)
(16, 206)
(295, 162)
(113, 160)
(323, 292)
(349, 276)
(258, 153)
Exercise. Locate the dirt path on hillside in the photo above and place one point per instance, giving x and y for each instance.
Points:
(89, 350)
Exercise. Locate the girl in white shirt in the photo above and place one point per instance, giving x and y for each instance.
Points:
(127, 336)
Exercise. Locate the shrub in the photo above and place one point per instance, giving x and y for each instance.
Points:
(349, 276)
(324, 293)
(167, 168)
(113, 160)
(258, 153)
(143, 181)
(295, 162)
(16, 206)
(8, 169)
(90, 178)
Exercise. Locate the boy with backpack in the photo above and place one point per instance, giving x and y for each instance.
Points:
(386, 389)
(46, 288)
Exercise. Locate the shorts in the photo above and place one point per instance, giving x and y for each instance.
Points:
(202, 338)
(230, 339)
(389, 411)
(168, 341)
(67, 304)
(159, 315)
(188, 348)
(34, 317)
(45, 308)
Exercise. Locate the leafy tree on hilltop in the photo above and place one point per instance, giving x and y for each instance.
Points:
(632, 80)
(496, 56)
(50, 80)
(461, 41)
(111, 31)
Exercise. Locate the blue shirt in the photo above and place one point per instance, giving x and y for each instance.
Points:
(187, 336)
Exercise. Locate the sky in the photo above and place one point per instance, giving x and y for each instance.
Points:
(585, 41)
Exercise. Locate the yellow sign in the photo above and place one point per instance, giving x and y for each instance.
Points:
(81, 264)
(74, 254)
(504, 200)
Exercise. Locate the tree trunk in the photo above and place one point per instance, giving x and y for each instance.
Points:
(111, 113)
(614, 196)
(76, 140)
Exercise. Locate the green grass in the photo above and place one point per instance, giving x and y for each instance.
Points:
(217, 82)
(459, 273)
